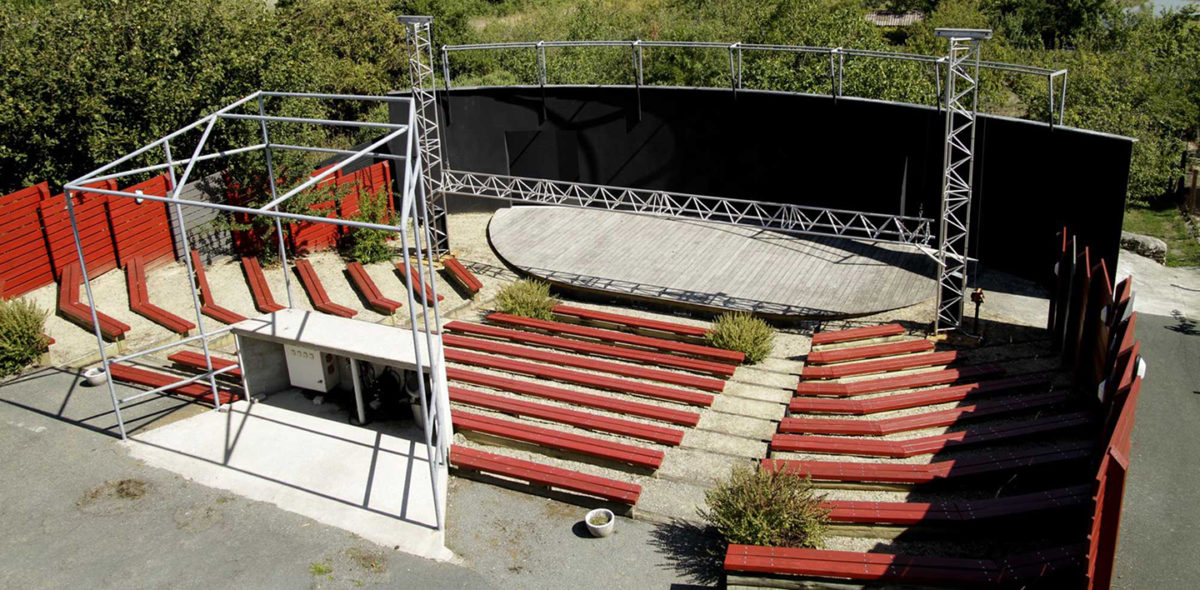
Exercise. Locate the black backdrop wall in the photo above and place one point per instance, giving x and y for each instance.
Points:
(1030, 180)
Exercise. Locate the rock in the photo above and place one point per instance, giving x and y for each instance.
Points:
(1147, 246)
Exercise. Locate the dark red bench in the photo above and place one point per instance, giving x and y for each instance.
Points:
(316, 291)
(210, 307)
(566, 360)
(544, 475)
(601, 402)
(630, 323)
(557, 441)
(853, 334)
(260, 290)
(951, 511)
(592, 348)
(585, 420)
(1000, 461)
(153, 379)
(461, 275)
(370, 291)
(195, 360)
(884, 384)
(984, 409)
(927, 445)
(421, 291)
(80, 313)
(139, 299)
(916, 399)
(720, 354)
(578, 378)
(858, 353)
(747, 564)
(899, 363)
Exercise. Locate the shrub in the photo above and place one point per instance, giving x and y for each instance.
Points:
(743, 333)
(527, 298)
(21, 341)
(759, 507)
(369, 245)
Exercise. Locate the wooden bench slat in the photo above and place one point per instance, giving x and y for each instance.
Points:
(200, 391)
(461, 275)
(900, 401)
(823, 357)
(537, 473)
(195, 360)
(884, 384)
(984, 409)
(545, 437)
(669, 415)
(897, 363)
(260, 290)
(210, 307)
(139, 300)
(578, 378)
(79, 312)
(631, 322)
(866, 333)
(316, 291)
(422, 291)
(370, 291)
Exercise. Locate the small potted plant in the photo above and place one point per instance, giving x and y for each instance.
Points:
(95, 376)
(600, 522)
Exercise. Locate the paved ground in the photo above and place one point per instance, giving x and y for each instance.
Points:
(1160, 528)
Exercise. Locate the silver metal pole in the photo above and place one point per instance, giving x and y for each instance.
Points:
(283, 262)
(1062, 99)
(332, 169)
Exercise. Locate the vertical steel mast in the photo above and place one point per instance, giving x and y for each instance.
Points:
(961, 101)
(424, 92)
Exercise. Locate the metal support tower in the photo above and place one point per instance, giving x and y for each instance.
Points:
(424, 91)
(958, 158)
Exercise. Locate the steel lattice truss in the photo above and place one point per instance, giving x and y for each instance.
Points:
(782, 217)
(962, 75)
(421, 77)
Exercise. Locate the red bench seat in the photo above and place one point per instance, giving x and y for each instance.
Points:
(914, 513)
(858, 353)
(260, 290)
(984, 409)
(899, 363)
(631, 323)
(853, 334)
(195, 360)
(139, 299)
(210, 307)
(884, 384)
(80, 313)
(370, 291)
(153, 379)
(461, 275)
(421, 291)
(916, 399)
(545, 475)
(316, 291)
(558, 441)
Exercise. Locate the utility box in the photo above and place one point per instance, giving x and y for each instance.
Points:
(311, 369)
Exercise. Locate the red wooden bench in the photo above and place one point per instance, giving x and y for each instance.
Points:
(80, 313)
(996, 462)
(421, 291)
(260, 290)
(558, 441)
(210, 307)
(461, 275)
(195, 360)
(927, 445)
(153, 379)
(899, 363)
(139, 299)
(984, 409)
(566, 360)
(544, 475)
(585, 420)
(747, 562)
(857, 353)
(914, 513)
(370, 291)
(578, 378)
(916, 399)
(630, 323)
(601, 402)
(316, 291)
(853, 334)
(883, 384)
(659, 344)
(592, 348)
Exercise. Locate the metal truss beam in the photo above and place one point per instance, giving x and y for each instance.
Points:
(795, 219)
(424, 92)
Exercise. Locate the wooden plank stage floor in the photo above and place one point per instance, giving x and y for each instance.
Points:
(708, 265)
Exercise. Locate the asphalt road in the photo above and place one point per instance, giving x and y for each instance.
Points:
(1159, 546)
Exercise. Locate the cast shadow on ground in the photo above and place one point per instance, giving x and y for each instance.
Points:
(691, 550)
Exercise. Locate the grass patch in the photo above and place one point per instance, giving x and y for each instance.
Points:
(371, 561)
(772, 508)
(1167, 224)
(21, 340)
(743, 333)
(319, 568)
(528, 298)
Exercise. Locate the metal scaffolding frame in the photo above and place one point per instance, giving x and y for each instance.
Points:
(423, 82)
(413, 210)
(958, 173)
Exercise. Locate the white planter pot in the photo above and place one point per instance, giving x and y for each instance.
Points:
(95, 376)
(602, 530)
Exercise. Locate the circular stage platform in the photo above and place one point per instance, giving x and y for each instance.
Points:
(711, 266)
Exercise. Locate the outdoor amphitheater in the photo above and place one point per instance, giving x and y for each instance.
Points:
(955, 364)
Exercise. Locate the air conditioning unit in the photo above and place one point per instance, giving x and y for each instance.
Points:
(311, 369)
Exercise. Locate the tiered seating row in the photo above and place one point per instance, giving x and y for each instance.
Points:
(78, 312)
(194, 360)
(139, 299)
(855, 334)
(913, 513)
(210, 307)
(200, 391)
(370, 291)
(561, 441)
(984, 409)
(316, 291)
(885, 384)
(858, 353)
(630, 323)
(260, 290)
(461, 275)
(545, 475)
(421, 291)
(915, 399)
(899, 363)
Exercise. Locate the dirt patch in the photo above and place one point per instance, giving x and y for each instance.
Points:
(114, 497)
(368, 560)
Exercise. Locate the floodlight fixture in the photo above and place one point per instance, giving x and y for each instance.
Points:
(951, 33)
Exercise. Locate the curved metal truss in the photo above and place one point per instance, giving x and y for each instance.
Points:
(795, 219)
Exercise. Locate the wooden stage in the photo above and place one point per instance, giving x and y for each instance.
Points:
(713, 266)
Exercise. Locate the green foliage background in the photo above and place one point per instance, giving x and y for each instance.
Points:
(84, 81)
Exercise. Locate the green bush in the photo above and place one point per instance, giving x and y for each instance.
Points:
(527, 298)
(369, 245)
(744, 333)
(759, 507)
(22, 324)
